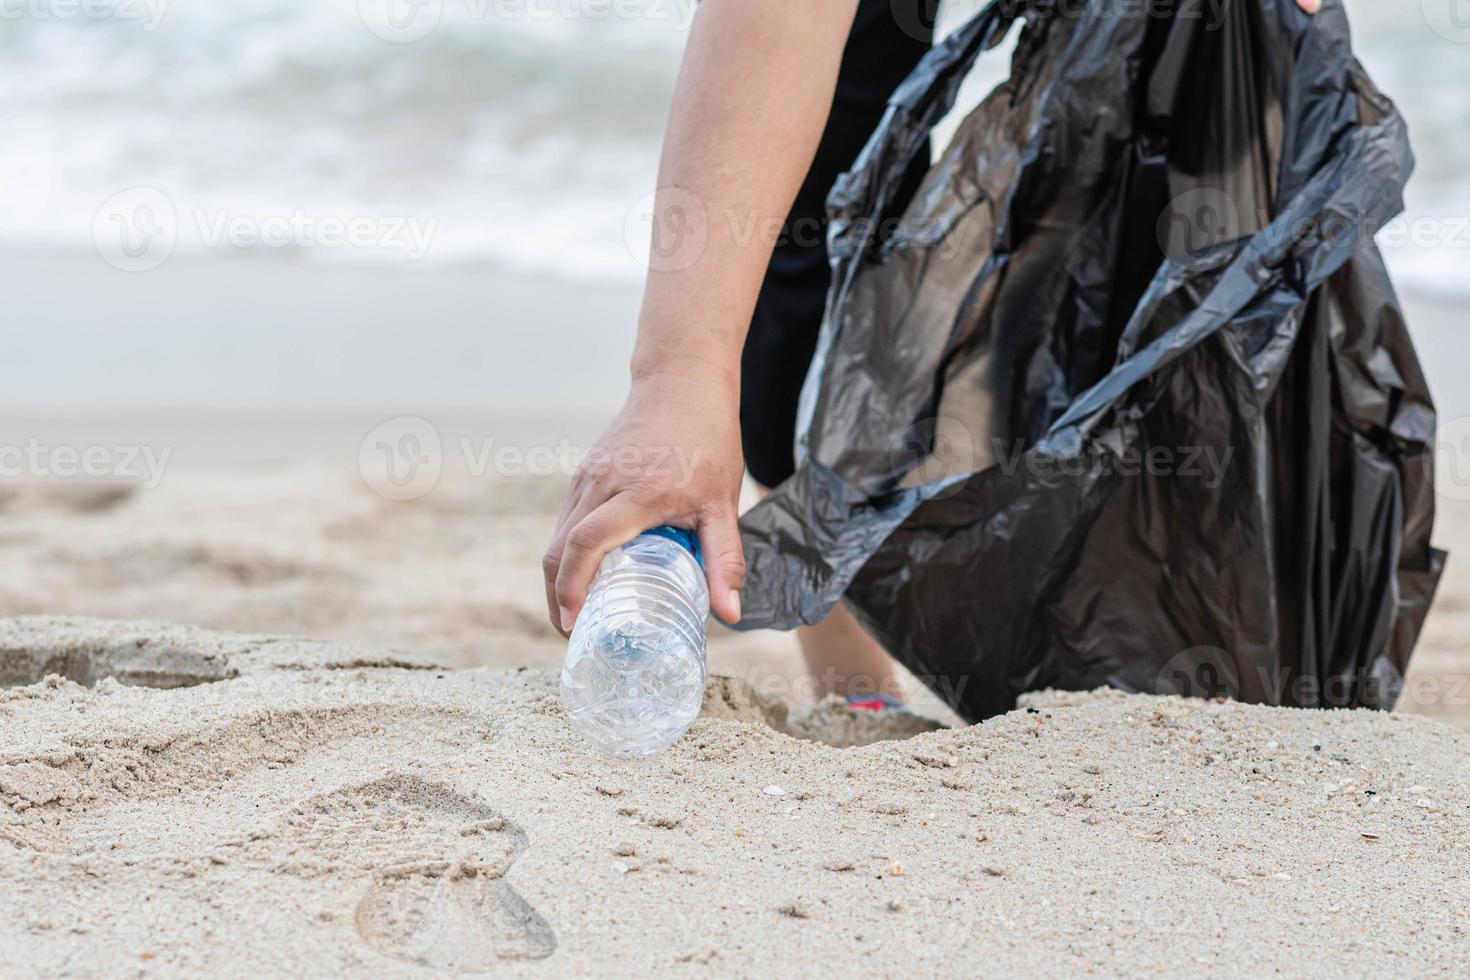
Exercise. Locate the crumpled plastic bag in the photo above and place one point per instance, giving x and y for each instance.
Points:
(1124, 396)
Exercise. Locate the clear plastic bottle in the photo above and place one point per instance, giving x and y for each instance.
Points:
(634, 676)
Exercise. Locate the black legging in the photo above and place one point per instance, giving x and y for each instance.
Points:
(888, 39)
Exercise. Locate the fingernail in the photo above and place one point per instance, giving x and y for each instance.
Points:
(735, 602)
(566, 619)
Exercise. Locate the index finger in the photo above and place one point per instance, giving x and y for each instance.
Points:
(578, 506)
(615, 522)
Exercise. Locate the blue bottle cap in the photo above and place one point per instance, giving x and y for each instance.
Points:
(680, 536)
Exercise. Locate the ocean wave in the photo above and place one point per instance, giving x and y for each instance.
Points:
(524, 132)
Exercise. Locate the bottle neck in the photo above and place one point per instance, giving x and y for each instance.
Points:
(683, 537)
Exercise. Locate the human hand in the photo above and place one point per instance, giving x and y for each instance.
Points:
(1310, 6)
(671, 456)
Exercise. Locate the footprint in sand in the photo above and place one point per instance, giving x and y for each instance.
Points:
(438, 861)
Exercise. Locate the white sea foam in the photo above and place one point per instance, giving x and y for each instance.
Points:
(523, 131)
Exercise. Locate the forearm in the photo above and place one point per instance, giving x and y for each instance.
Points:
(752, 99)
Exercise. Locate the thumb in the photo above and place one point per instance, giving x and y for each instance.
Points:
(724, 562)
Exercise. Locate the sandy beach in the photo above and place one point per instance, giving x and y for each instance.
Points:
(257, 716)
(309, 808)
(314, 309)
(261, 521)
(396, 788)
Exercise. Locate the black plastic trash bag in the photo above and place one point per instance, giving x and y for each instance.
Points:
(1124, 397)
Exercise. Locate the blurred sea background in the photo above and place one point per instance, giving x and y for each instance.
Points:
(517, 138)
